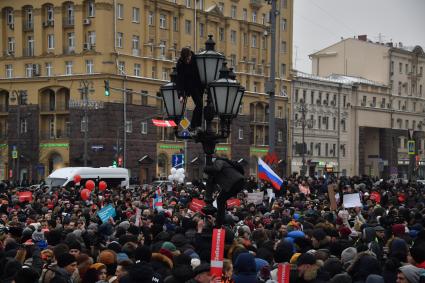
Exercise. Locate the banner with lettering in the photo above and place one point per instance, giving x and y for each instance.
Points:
(217, 252)
(283, 272)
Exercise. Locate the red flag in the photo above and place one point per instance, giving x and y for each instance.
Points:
(24, 196)
(283, 272)
(217, 252)
(164, 123)
(197, 205)
(233, 202)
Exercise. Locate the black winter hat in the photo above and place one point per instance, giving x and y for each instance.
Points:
(65, 259)
(306, 258)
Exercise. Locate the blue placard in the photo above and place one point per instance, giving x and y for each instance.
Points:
(106, 212)
(177, 161)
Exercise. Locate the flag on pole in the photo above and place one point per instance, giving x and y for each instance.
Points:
(267, 174)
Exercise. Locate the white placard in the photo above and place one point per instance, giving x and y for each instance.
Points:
(255, 198)
(352, 200)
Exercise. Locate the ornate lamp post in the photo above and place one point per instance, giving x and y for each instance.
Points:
(224, 95)
(303, 122)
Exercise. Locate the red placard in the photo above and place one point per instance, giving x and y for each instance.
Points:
(283, 272)
(197, 205)
(24, 196)
(376, 197)
(164, 123)
(233, 202)
(217, 252)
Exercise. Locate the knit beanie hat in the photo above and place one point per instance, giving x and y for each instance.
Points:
(348, 255)
(38, 236)
(411, 272)
(107, 257)
(169, 246)
(398, 229)
(65, 259)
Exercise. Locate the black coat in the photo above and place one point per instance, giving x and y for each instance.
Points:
(188, 82)
(226, 174)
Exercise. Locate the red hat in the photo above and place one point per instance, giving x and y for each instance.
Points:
(398, 230)
(344, 231)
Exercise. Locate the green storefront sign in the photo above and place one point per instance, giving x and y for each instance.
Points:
(49, 145)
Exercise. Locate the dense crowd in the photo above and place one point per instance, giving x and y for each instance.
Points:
(57, 237)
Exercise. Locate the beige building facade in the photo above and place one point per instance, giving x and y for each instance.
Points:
(49, 47)
(389, 102)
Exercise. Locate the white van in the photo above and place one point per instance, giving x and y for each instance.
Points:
(64, 177)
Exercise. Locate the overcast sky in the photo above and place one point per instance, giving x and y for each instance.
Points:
(320, 23)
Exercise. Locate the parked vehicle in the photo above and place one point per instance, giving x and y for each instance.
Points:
(64, 177)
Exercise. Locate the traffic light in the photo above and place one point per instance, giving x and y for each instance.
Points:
(114, 164)
(107, 90)
(120, 161)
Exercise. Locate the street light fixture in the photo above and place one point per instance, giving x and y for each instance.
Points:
(224, 95)
(303, 122)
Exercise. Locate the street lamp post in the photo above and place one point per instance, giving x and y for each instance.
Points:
(85, 88)
(303, 122)
(21, 99)
(224, 95)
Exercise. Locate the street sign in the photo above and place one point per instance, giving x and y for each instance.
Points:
(411, 147)
(14, 154)
(185, 133)
(177, 161)
(184, 123)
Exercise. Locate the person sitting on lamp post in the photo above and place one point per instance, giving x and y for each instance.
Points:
(188, 83)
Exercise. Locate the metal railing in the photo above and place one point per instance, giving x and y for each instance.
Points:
(53, 108)
(60, 134)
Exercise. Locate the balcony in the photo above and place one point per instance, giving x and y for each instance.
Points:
(60, 134)
(256, 4)
(28, 52)
(63, 107)
(28, 26)
(68, 22)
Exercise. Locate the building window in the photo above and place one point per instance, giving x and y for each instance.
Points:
(121, 67)
(283, 46)
(319, 147)
(68, 67)
(9, 71)
(400, 68)
(240, 134)
(71, 40)
(144, 127)
(200, 4)
(92, 38)
(407, 68)
(30, 46)
(137, 68)
(49, 69)
(165, 72)
(135, 43)
(129, 126)
(240, 108)
(233, 36)
(221, 6)
(162, 21)
(10, 45)
(24, 126)
(70, 14)
(326, 149)
(279, 136)
(244, 14)
(91, 9)
(201, 29)
(120, 37)
(254, 16)
(283, 69)
(254, 41)
(420, 90)
(50, 14)
(175, 24)
(221, 34)
(120, 11)
(245, 39)
(283, 24)
(28, 70)
(150, 18)
(280, 112)
(9, 17)
(188, 26)
(188, 3)
(89, 67)
(162, 47)
(233, 12)
(136, 15)
(50, 41)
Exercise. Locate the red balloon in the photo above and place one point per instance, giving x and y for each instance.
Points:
(77, 179)
(102, 185)
(85, 194)
(90, 185)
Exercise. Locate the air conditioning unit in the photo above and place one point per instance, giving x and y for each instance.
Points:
(86, 22)
(87, 46)
(36, 70)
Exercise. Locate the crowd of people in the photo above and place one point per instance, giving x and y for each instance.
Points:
(57, 237)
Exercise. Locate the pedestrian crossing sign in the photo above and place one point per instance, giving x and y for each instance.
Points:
(411, 147)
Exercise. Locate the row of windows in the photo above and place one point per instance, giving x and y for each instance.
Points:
(316, 149)
(401, 104)
(319, 99)
(407, 68)
(322, 122)
(128, 126)
(404, 88)
(414, 125)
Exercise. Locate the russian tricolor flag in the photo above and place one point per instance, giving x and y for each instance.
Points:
(266, 173)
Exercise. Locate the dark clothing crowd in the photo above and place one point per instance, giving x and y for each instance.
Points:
(57, 237)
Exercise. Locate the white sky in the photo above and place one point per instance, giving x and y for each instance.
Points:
(320, 23)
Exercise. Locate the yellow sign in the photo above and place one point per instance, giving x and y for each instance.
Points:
(184, 123)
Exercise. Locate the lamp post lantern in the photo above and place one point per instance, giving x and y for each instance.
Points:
(224, 95)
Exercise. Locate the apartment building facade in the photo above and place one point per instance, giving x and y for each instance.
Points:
(48, 49)
(389, 104)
